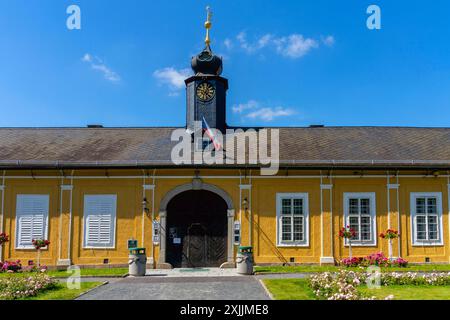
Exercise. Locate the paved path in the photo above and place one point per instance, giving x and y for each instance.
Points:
(180, 288)
(194, 272)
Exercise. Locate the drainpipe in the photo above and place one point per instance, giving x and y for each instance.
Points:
(250, 209)
(2, 189)
(60, 216)
(399, 221)
(143, 210)
(153, 218)
(69, 242)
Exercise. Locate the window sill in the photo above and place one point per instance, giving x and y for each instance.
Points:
(99, 248)
(290, 245)
(427, 244)
(361, 245)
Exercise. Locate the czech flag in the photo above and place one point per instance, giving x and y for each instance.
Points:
(210, 134)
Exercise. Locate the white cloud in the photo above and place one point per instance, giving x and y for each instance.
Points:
(228, 44)
(252, 47)
(98, 65)
(269, 114)
(291, 46)
(239, 108)
(328, 41)
(295, 45)
(254, 111)
(172, 77)
(87, 58)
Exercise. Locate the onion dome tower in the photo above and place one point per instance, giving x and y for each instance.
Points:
(206, 90)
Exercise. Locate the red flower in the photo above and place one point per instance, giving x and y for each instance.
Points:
(3, 238)
(390, 234)
(40, 243)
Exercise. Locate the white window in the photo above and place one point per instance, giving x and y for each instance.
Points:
(292, 219)
(31, 219)
(426, 218)
(360, 215)
(99, 221)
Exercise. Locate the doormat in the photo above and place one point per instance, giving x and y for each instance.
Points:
(193, 269)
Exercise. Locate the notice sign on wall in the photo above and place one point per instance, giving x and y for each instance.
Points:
(156, 232)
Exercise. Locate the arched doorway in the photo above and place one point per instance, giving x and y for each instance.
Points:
(196, 229)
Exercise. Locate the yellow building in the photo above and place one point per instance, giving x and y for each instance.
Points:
(90, 190)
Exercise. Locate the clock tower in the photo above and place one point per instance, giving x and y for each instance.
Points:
(206, 89)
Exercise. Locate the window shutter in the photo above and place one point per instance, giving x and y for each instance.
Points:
(31, 219)
(99, 215)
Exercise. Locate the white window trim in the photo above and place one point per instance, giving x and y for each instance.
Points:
(304, 197)
(373, 213)
(99, 247)
(31, 247)
(412, 205)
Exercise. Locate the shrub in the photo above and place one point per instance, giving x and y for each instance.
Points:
(10, 266)
(400, 262)
(343, 285)
(374, 259)
(352, 262)
(337, 286)
(17, 287)
(377, 259)
(415, 278)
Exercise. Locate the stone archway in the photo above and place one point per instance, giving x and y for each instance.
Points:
(196, 184)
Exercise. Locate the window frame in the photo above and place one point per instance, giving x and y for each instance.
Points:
(46, 220)
(114, 227)
(373, 217)
(292, 243)
(413, 214)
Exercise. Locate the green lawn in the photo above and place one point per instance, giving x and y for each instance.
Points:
(61, 292)
(317, 268)
(289, 289)
(88, 272)
(91, 272)
(298, 289)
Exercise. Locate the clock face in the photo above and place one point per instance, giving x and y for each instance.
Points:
(205, 91)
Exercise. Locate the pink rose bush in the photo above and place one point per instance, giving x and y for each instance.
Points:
(337, 286)
(12, 288)
(16, 266)
(344, 284)
(374, 259)
(10, 266)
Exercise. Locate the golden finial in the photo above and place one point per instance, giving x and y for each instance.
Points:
(208, 25)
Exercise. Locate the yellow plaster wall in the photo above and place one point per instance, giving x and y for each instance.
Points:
(262, 209)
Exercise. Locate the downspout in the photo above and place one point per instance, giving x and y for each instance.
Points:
(143, 210)
(2, 189)
(331, 214)
(69, 243)
(448, 208)
(60, 216)
(388, 200)
(398, 216)
(153, 219)
(240, 198)
(250, 209)
(321, 216)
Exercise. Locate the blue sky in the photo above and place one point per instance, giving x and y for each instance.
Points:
(289, 63)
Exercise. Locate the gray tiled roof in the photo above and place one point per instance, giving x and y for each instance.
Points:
(129, 147)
